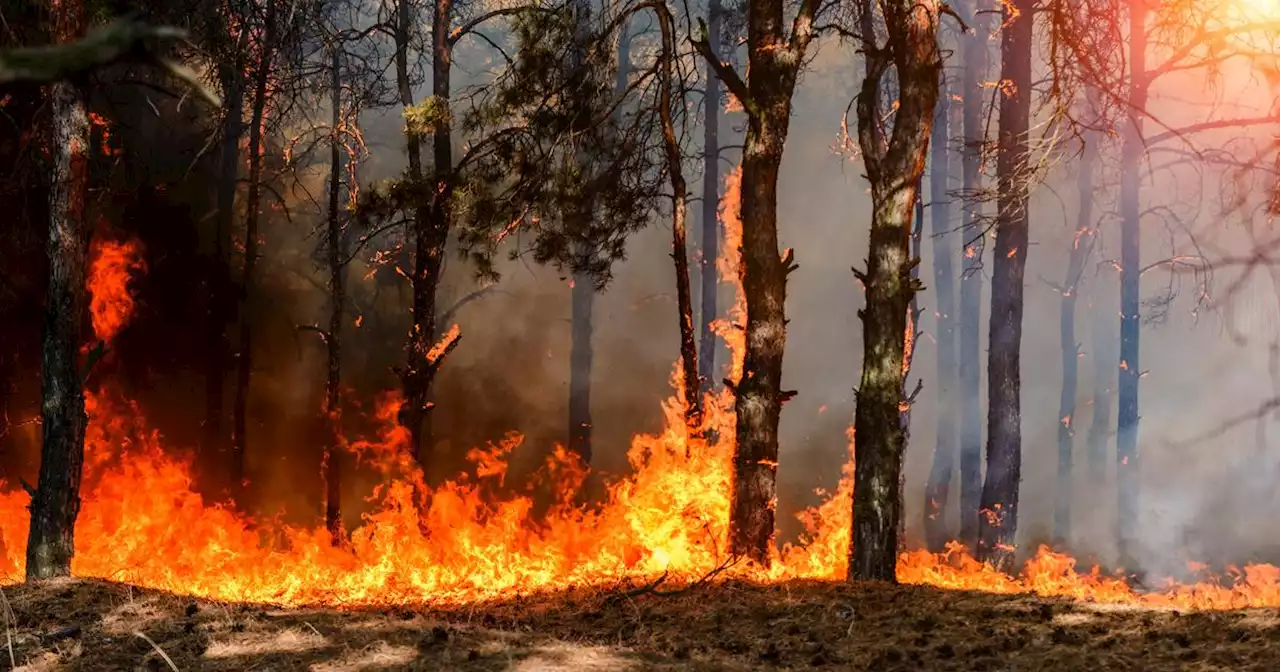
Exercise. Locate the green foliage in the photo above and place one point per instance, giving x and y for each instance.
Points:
(425, 117)
(564, 156)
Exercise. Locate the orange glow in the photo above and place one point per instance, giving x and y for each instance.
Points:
(113, 265)
(733, 328)
(142, 522)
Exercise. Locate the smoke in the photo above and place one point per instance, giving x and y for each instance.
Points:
(1211, 498)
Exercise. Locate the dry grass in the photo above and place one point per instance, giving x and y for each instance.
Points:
(93, 625)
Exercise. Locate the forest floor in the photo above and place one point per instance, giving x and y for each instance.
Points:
(95, 625)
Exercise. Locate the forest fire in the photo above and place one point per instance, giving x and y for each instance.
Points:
(143, 523)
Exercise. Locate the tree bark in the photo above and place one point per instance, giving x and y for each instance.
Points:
(976, 65)
(710, 279)
(894, 167)
(774, 61)
(432, 221)
(220, 285)
(938, 490)
(56, 501)
(1131, 150)
(1103, 334)
(680, 249)
(1081, 248)
(253, 203)
(998, 524)
(581, 358)
(330, 463)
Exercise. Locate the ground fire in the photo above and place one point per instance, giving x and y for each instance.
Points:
(339, 335)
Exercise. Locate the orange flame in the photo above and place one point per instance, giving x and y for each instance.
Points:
(142, 522)
(114, 264)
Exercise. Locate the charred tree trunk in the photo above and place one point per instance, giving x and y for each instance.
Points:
(1105, 362)
(680, 249)
(774, 61)
(998, 525)
(431, 222)
(253, 203)
(329, 460)
(937, 493)
(56, 500)
(710, 279)
(1081, 248)
(220, 285)
(1131, 150)
(581, 356)
(894, 167)
(970, 355)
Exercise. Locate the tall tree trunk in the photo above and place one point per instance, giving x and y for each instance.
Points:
(774, 60)
(1081, 248)
(56, 500)
(937, 493)
(976, 57)
(431, 223)
(1105, 363)
(220, 288)
(253, 202)
(710, 279)
(679, 246)
(998, 526)
(330, 460)
(894, 167)
(1131, 150)
(581, 356)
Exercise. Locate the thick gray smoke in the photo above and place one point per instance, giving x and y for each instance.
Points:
(1210, 499)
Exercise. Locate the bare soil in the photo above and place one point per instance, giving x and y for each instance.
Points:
(95, 625)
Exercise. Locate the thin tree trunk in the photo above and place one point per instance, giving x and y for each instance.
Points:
(998, 526)
(220, 288)
(329, 461)
(56, 500)
(431, 224)
(976, 59)
(710, 279)
(894, 167)
(253, 202)
(680, 250)
(1103, 332)
(1131, 149)
(581, 356)
(1081, 248)
(774, 61)
(937, 494)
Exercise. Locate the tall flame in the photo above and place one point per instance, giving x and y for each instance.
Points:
(113, 264)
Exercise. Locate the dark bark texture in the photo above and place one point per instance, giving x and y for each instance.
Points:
(774, 60)
(431, 223)
(330, 464)
(976, 65)
(679, 198)
(710, 280)
(581, 359)
(937, 495)
(998, 524)
(221, 290)
(1131, 151)
(56, 501)
(1081, 248)
(894, 164)
(253, 207)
